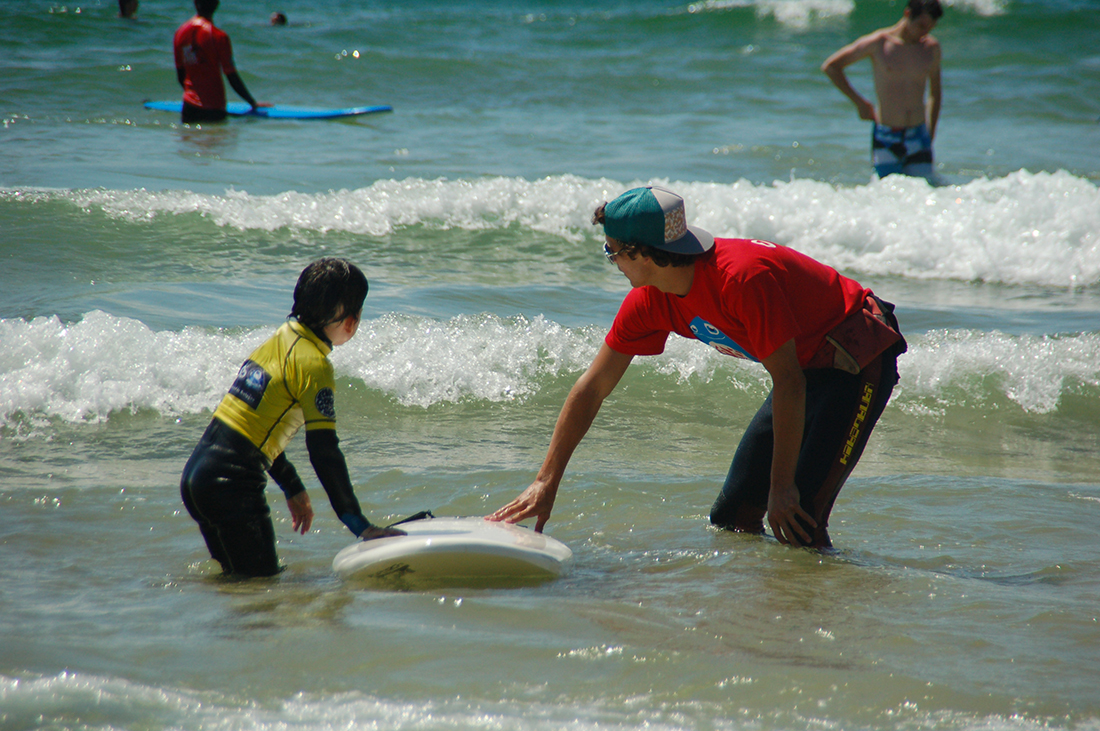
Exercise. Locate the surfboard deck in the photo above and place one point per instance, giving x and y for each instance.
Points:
(242, 109)
(466, 551)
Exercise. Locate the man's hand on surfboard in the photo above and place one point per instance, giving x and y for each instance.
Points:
(537, 500)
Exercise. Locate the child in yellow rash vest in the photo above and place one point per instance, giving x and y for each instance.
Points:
(286, 383)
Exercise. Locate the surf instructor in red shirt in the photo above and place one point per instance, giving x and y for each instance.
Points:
(829, 345)
(203, 53)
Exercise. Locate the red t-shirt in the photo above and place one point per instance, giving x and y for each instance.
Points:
(748, 297)
(204, 52)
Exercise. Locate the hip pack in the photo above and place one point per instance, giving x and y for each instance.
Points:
(854, 343)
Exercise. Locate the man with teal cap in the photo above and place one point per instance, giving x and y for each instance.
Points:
(828, 343)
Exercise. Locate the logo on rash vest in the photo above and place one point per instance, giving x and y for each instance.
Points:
(857, 425)
(717, 339)
(192, 55)
(326, 403)
(251, 383)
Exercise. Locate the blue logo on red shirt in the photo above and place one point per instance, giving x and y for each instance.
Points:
(717, 339)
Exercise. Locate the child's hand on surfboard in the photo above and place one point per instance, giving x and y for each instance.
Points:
(377, 531)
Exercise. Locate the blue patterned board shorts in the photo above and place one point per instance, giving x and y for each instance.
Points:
(903, 150)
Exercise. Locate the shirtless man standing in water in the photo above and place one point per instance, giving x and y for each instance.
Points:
(905, 57)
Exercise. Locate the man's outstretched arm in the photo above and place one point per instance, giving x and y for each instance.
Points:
(581, 407)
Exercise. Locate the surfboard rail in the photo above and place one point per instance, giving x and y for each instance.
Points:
(451, 550)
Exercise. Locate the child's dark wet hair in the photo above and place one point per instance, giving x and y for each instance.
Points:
(328, 290)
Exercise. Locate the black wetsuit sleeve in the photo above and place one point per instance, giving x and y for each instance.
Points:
(285, 476)
(331, 468)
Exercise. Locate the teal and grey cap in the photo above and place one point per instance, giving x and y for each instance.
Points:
(653, 216)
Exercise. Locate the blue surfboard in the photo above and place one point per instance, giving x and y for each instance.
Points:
(242, 109)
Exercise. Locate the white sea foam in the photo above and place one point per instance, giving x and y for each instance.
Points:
(1024, 228)
(792, 13)
(421, 362)
(986, 8)
(1034, 372)
(104, 364)
(799, 14)
(86, 371)
(558, 205)
(104, 702)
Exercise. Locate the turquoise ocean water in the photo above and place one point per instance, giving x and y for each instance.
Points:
(141, 260)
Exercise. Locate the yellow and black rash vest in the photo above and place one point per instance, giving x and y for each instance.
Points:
(286, 383)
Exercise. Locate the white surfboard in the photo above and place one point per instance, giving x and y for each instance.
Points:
(456, 550)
